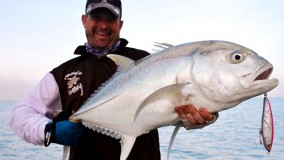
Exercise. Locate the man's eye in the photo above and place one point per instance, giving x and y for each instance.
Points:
(95, 17)
(112, 19)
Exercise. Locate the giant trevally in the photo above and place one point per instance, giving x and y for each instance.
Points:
(142, 95)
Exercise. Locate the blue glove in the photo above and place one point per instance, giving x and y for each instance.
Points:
(63, 132)
(68, 133)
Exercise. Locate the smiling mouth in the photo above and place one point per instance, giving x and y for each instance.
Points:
(102, 33)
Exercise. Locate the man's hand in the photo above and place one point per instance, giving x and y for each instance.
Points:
(193, 118)
(62, 131)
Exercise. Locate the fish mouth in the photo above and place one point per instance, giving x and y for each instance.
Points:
(260, 76)
(264, 75)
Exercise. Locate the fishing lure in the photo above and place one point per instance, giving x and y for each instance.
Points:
(267, 126)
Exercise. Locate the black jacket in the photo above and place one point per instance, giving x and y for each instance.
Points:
(77, 79)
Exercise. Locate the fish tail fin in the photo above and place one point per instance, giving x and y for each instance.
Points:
(172, 139)
(127, 143)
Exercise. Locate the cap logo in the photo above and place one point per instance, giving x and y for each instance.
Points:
(104, 3)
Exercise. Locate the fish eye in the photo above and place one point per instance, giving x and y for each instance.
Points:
(237, 57)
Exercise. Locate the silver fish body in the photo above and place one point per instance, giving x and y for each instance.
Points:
(142, 96)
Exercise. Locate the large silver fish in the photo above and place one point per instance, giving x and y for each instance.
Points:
(142, 96)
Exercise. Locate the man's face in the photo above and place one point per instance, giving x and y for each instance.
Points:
(102, 28)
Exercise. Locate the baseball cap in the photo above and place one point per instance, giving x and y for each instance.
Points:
(112, 5)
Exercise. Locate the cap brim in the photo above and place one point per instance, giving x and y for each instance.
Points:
(113, 9)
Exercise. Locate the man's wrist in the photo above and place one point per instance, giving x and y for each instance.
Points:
(49, 135)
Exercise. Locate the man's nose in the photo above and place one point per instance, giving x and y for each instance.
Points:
(103, 24)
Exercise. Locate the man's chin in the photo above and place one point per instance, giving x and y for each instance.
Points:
(100, 45)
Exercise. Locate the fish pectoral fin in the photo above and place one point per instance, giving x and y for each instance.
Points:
(127, 143)
(121, 61)
(172, 93)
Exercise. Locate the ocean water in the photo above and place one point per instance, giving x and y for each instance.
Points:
(234, 136)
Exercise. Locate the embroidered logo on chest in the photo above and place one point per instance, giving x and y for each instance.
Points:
(73, 83)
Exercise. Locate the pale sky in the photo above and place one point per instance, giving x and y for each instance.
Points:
(36, 36)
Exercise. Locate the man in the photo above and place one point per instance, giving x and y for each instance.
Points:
(69, 85)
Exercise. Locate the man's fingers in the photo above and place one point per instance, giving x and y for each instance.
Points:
(190, 114)
(180, 112)
(192, 118)
(206, 115)
(196, 116)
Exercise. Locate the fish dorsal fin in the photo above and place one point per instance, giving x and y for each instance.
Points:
(161, 46)
(122, 64)
(98, 100)
(121, 61)
(127, 143)
(172, 139)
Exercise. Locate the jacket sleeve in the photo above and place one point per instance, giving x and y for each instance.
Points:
(29, 117)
